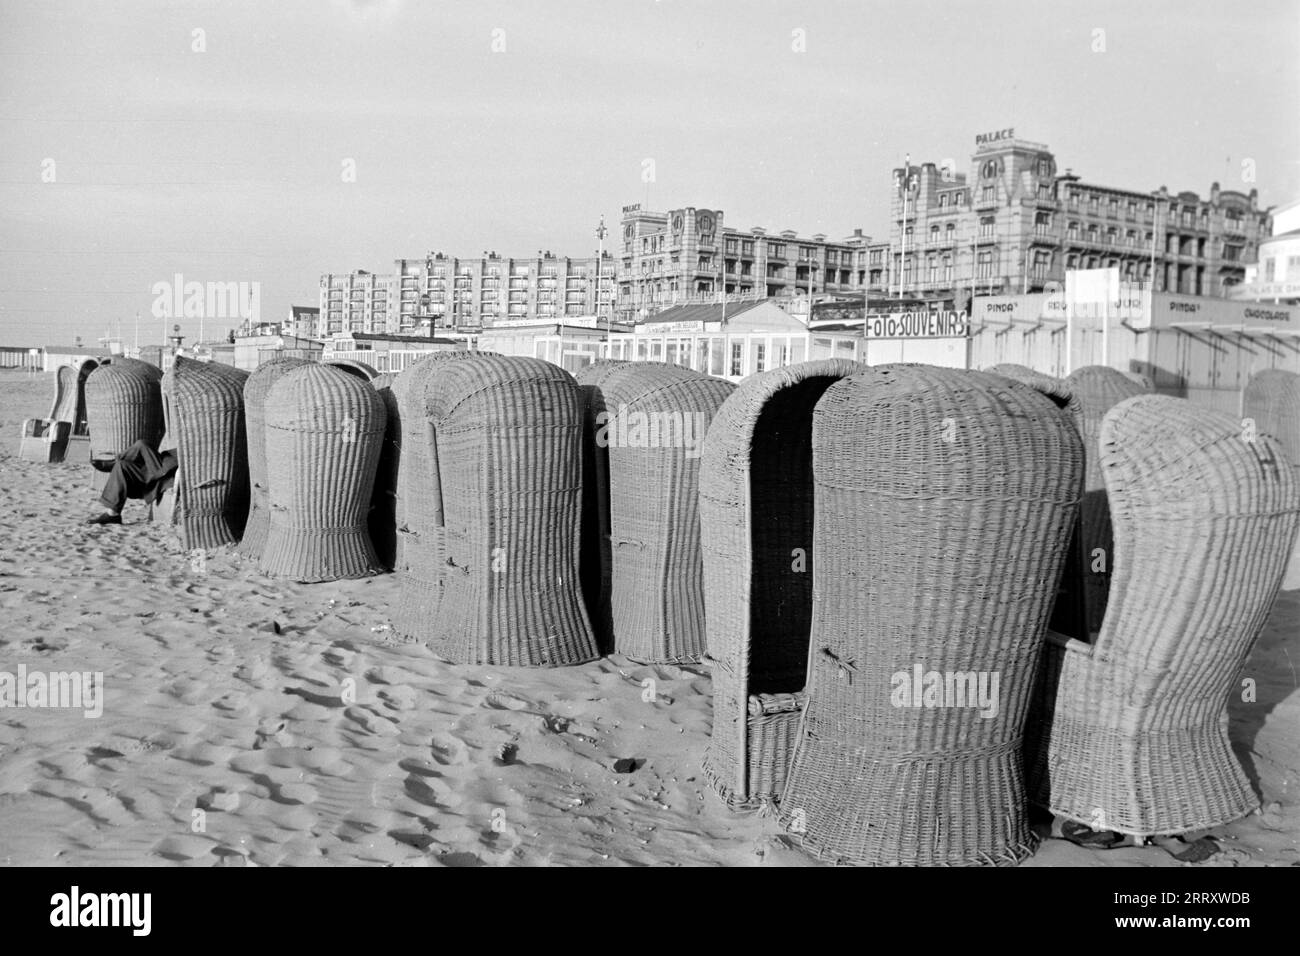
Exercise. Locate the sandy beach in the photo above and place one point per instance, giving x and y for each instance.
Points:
(250, 721)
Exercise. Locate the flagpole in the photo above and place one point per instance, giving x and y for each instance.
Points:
(902, 258)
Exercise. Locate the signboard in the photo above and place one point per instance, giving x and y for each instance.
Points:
(671, 327)
(583, 321)
(987, 139)
(1267, 290)
(635, 207)
(916, 325)
(1193, 309)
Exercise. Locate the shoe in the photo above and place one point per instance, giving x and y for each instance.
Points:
(105, 518)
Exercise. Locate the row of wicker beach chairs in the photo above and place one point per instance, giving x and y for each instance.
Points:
(867, 560)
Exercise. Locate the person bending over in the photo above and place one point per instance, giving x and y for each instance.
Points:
(139, 472)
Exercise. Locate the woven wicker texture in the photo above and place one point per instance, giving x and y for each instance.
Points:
(256, 389)
(204, 405)
(1272, 401)
(147, 369)
(756, 523)
(595, 556)
(419, 555)
(1069, 611)
(1137, 378)
(655, 413)
(506, 454)
(382, 522)
(1054, 388)
(943, 506)
(324, 434)
(1130, 733)
(70, 396)
(123, 406)
(1098, 390)
(357, 369)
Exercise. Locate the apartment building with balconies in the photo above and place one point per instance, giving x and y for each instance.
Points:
(467, 294)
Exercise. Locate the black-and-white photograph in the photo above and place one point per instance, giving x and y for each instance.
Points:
(650, 433)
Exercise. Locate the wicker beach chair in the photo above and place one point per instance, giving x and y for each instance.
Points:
(1272, 402)
(943, 503)
(69, 403)
(505, 449)
(657, 416)
(382, 521)
(1069, 611)
(419, 555)
(1130, 733)
(1098, 389)
(1051, 386)
(123, 406)
(324, 434)
(1143, 381)
(203, 405)
(595, 552)
(1014, 371)
(756, 526)
(355, 368)
(256, 389)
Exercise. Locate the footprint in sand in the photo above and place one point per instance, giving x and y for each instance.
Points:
(399, 697)
(385, 675)
(432, 792)
(503, 700)
(339, 656)
(449, 750)
(181, 847)
(371, 722)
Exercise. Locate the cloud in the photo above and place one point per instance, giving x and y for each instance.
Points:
(370, 11)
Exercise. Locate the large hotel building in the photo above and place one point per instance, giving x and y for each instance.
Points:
(1014, 223)
(687, 254)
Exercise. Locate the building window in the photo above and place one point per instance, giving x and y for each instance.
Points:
(986, 226)
(760, 356)
(1072, 230)
(737, 357)
(984, 265)
(943, 200)
(1044, 168)
(989, 193)
(934, 233)
(1043, 223)
(933, 265)
(947, 268)
(950, 232)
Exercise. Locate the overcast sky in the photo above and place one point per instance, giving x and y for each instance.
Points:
(514, 126)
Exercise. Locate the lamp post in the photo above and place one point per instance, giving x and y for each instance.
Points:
(601, 232)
